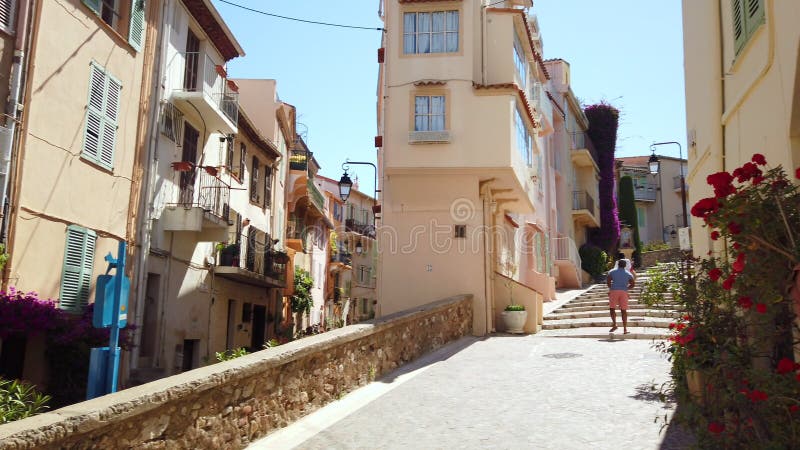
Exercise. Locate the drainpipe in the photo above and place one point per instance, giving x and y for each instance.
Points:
(7, 140)
(145, 221)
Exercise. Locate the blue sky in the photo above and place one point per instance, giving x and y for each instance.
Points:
(626, 52)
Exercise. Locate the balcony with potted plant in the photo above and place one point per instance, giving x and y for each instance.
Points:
(251, 259)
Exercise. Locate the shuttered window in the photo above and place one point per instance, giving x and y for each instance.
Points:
(112, 13)
(8, 9)
(102, 114)
(136, 28)
(267, 186)
(748, 15)
(76, 274)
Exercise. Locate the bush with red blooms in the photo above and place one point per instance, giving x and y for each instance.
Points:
(739, 329)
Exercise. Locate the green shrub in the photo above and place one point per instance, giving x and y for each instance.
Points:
(628, 215)
(227, 355)
(19, 400)
(593, 260)
(515, 307)
(655, 246)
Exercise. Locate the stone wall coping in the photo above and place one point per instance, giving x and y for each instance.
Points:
(92, 414)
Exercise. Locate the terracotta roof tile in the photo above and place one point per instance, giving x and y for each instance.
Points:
(536, 54)
(514, 88)
(430, 83)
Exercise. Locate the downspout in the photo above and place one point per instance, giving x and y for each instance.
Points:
(144, 221)
(483, 44)
(9, 229)
(7, 140)
(488, 274)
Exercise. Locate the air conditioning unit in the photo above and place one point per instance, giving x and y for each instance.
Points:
(427, 137)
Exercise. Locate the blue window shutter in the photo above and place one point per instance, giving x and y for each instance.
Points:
(136, 30)
(94, 5)
(76, 276)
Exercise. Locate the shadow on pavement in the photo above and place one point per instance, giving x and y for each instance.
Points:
(441, 354)
(676, 437)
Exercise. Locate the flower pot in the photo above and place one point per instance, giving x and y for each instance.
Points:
(183, 166)
(514, 321)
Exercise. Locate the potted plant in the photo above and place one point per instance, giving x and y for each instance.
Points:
(514, 315)
(228, 254)
(183, 166)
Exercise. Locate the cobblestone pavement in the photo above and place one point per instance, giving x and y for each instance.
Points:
(503, 392)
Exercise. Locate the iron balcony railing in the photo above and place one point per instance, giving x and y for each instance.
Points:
(362, 228)
(209, 192)
(253, 252)
(315, 195)
(342, 257)
(582, 200)
(202, 74)
(566, 250)
(645, 192)
(581, 140)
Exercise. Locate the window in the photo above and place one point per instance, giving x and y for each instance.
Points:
(430, 32)
(254, 180)
(101, 117)
(229, 152)
(76, 273)
(8, 12)
(429, 113)
(521, 63)
(242, 160)
(641, 217)
(126, 17)
(523, 138)
(748, 15)
(267, 186)
(460, 231)
(171, 122)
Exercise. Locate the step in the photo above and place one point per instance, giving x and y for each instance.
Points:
(656, 322)
(637, 312)
(604, 306)
(645, 333)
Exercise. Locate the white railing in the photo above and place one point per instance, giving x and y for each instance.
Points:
(542, 103)
(202, 74)
(566, 250)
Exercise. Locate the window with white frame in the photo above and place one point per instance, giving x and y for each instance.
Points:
(430, 32)
(126, 17)
(429, 113)
(521, 63)
(102, 116)
(523, 137)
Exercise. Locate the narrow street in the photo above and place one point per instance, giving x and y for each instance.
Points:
(542, 393)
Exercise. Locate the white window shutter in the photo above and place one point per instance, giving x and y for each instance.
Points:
(136, 30)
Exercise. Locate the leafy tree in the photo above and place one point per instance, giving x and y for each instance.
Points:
(627, 214)
(301, 299)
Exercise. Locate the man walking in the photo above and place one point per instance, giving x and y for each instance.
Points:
(619, 281)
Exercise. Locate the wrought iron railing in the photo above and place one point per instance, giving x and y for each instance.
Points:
(200, 188)
(342, 257)
(645, 192)
(315, 195)
(202, 74)
(582, 200)
(254, 253)
(362, 228)
(298, 160)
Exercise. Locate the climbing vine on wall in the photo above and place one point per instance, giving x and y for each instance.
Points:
(603, 125)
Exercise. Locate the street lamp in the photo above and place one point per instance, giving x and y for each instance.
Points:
(654, 162)
(359, 248)
(683, 181)
(345, 184)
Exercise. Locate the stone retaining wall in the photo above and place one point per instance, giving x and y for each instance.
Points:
(649, 259)
(230, 404)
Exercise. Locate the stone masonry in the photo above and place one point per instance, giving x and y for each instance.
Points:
(230, 404)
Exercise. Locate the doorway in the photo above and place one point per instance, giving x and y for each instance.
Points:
(192, 62)
(230, 341)
(150, 320)
(259, 325)
(189, 153)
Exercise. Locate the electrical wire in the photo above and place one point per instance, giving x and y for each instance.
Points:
(313, 22)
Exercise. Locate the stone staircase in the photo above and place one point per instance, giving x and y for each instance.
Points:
(587, 316)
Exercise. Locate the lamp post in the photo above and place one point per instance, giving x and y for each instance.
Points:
(655, 162)
(345, 183)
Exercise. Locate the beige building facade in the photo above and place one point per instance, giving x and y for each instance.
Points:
(742, 90)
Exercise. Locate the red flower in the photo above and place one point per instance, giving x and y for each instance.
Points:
(687, 318)
(716, 427)
(747, 172)
(722, 184)
(714, 235)
(761, 308)
(728, 283)
(758, 179)
(737, 246)
(672, 325)
(786, 365)
(797, 173)
(745, 302)
(756, 396)
(759, 159)
(705, 206)
(794, 408)
(734, 228)
(797, 377)
(714, 274)
(738, 265)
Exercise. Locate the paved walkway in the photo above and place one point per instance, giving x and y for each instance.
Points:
(502, 392)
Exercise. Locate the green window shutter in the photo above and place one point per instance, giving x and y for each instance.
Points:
(739, 34)
(136, 30)
(102, 116)
(111, 110)
(94, 5)
(754, 16)
(76, 276)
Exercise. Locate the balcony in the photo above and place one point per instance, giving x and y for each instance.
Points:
(298, 160)
(251, 260)
(582, 150)
(296, 234)
(583, 209)
(362, 228)
(676, 184)
(568, 261)
(316, 197)
(202, 207)
(645, 192)
(341, 258)
(206, 87)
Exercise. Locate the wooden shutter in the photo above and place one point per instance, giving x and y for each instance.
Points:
(739, 36)
(8, 8)
(267, 186)
(76, 276)
(94, 5)
(102, 116)
(136, 29)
